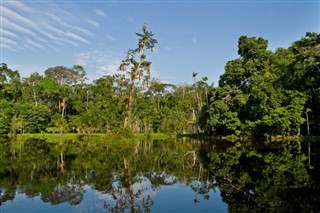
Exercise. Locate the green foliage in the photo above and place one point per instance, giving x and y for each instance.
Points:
(63, 75)
(58, 124)
(262, 178)
(261, 93)
(6, 112)
(136, 75)
(249, 176)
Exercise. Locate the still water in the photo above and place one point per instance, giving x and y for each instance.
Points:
(180, 175)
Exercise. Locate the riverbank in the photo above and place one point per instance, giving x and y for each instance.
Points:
(93, 137)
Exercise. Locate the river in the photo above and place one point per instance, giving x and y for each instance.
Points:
(176, 175)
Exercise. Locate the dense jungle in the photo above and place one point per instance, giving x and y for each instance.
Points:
(262, 93)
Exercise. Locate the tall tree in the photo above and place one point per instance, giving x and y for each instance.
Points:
(137, 69)
(304, 73)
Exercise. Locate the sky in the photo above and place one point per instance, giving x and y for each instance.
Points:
(193, 36)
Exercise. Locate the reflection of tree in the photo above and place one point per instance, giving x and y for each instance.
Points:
(154, 164)
(6, 195)
(250, 177)
(262, 179)
(125, 197)
(31, 165)
(68, 193)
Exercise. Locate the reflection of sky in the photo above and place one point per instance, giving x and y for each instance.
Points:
(180, 198)
(22, 203)
(170, 198)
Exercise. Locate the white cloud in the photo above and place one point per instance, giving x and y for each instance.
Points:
(76, 37)
(42, 26)
(77, 28)
(99, 12)
(59, 40)
(7, 24)
(58, 21)
(168, 48)
(8, 41)
(10, 25)
(15, 16)
(64, 34)
(34, 44)
(18, 5)
(5, 46)
(10, 44)
(110, 37)
(109, 68)
(9, 34)
(92, 22)
(98, 63)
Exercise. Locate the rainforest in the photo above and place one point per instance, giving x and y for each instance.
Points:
(262, 93)
(130, 143)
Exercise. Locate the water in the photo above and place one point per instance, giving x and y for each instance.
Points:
(182, 175)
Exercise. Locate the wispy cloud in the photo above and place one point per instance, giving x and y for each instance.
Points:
(19, 5)
(5, 46)
(10, 44)
(12, 26)
(34, 44)
(76, 37)
(100, 13)
(92, 22)
(69, 26)
(35, 28)
(110, 37)
(9, 34)
(58, 40)
(98, 63)
(16, 17)
(8, 41)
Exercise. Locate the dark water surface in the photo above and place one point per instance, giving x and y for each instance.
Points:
(182, 175)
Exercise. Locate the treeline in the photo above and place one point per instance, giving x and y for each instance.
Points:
(261, 93)
(267, 93)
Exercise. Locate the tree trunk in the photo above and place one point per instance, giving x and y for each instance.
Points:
(62, 106)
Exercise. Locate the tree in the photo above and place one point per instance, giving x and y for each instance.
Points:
(136, 70)
(31, 87)
(304, 73)
(63, 75)
(6, 111)
(253, 98)
(256, 178)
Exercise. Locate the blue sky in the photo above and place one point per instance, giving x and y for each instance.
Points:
(193, 36)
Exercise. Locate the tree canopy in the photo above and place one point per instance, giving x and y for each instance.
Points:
(261, 93)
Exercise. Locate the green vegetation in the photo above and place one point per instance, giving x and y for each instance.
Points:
(251, 176)
(262, 93)
(96, 137)
(266, 177)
